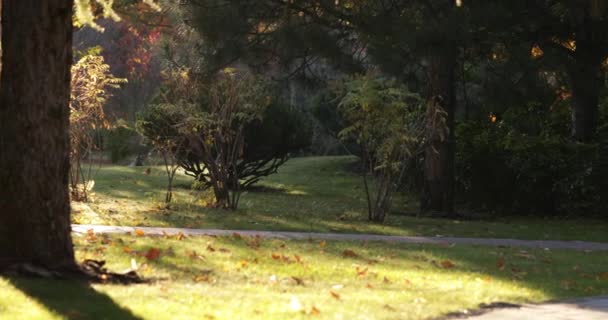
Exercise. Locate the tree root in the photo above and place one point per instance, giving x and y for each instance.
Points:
(89, 270)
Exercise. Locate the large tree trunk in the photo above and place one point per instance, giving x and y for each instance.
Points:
(34, 142)
(438, 192)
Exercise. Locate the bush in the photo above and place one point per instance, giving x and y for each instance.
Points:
(269, 136)
(524, 163)
(122, 141)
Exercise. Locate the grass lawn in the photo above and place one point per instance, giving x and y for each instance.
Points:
(248, 278)
(308, 194)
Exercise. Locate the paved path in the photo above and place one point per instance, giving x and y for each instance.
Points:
(549, 244)
(595, 308)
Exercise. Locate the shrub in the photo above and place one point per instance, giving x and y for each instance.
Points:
(524, 163)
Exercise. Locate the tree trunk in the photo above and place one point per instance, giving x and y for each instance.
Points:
(34, 140)
(586, 81)
(438, 193)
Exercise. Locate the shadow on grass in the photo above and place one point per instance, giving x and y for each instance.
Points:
(72, 299)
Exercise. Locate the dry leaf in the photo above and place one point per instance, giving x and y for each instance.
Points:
(298, 258)
(361, 272)
(348, 253)
(369, 286)
(210, 248)
(386, 280)
(407, 282)
(152, 254)
(500, 263)
(237, 235)
(202, 278)
(389, 308)
(447, 264)
(322, 243)
(298, 281)
(276, 256)
(603, 275)
(139, 233)
(334, 294)
(314, 311)
(180, 236)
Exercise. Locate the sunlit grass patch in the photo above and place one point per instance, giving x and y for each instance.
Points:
(307, 194)
(240, 277)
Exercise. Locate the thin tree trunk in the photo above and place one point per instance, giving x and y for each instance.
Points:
(34, 137)
(438, 193)
(586, 82)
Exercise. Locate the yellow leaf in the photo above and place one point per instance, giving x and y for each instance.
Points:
(139, 232)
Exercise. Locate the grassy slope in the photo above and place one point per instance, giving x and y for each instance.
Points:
(240, 279)
(308, 194)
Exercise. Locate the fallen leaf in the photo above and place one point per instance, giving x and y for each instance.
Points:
(210, 248)
(298, 258)
(322, 243)
(334, 294)
(348, 253)
(152, 254)
(389, 308)
(500, 263)
(603, 276)
(447, 264)
(180, 236)
(386, 280)
(243, 263)
(139, 233)
(237, 235)
(407, 282)
(276, 256)
(127, 250)
(369, 286)
(298, 281)
(361, 272)
(202, 278)
(314, 311)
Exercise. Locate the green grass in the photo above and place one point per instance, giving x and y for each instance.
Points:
(308, 194)
(248, 278)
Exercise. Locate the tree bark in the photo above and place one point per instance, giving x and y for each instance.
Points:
(34, 140)
(438, 192)
(586, 81)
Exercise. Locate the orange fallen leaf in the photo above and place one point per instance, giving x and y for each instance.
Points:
(386, 280)
(369, 286)
(152, 254)
(276, 256)
(139, 232)
(298, 258)
(348, 253)
(237, 235)
(447, 264)
(334, 294)
(243, 263)
(180, 236)
(500, 263)
(127, 250)
(314, 311)
(361, 272)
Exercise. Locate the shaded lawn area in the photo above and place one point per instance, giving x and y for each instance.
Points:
(308, 194)
(250, 278)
